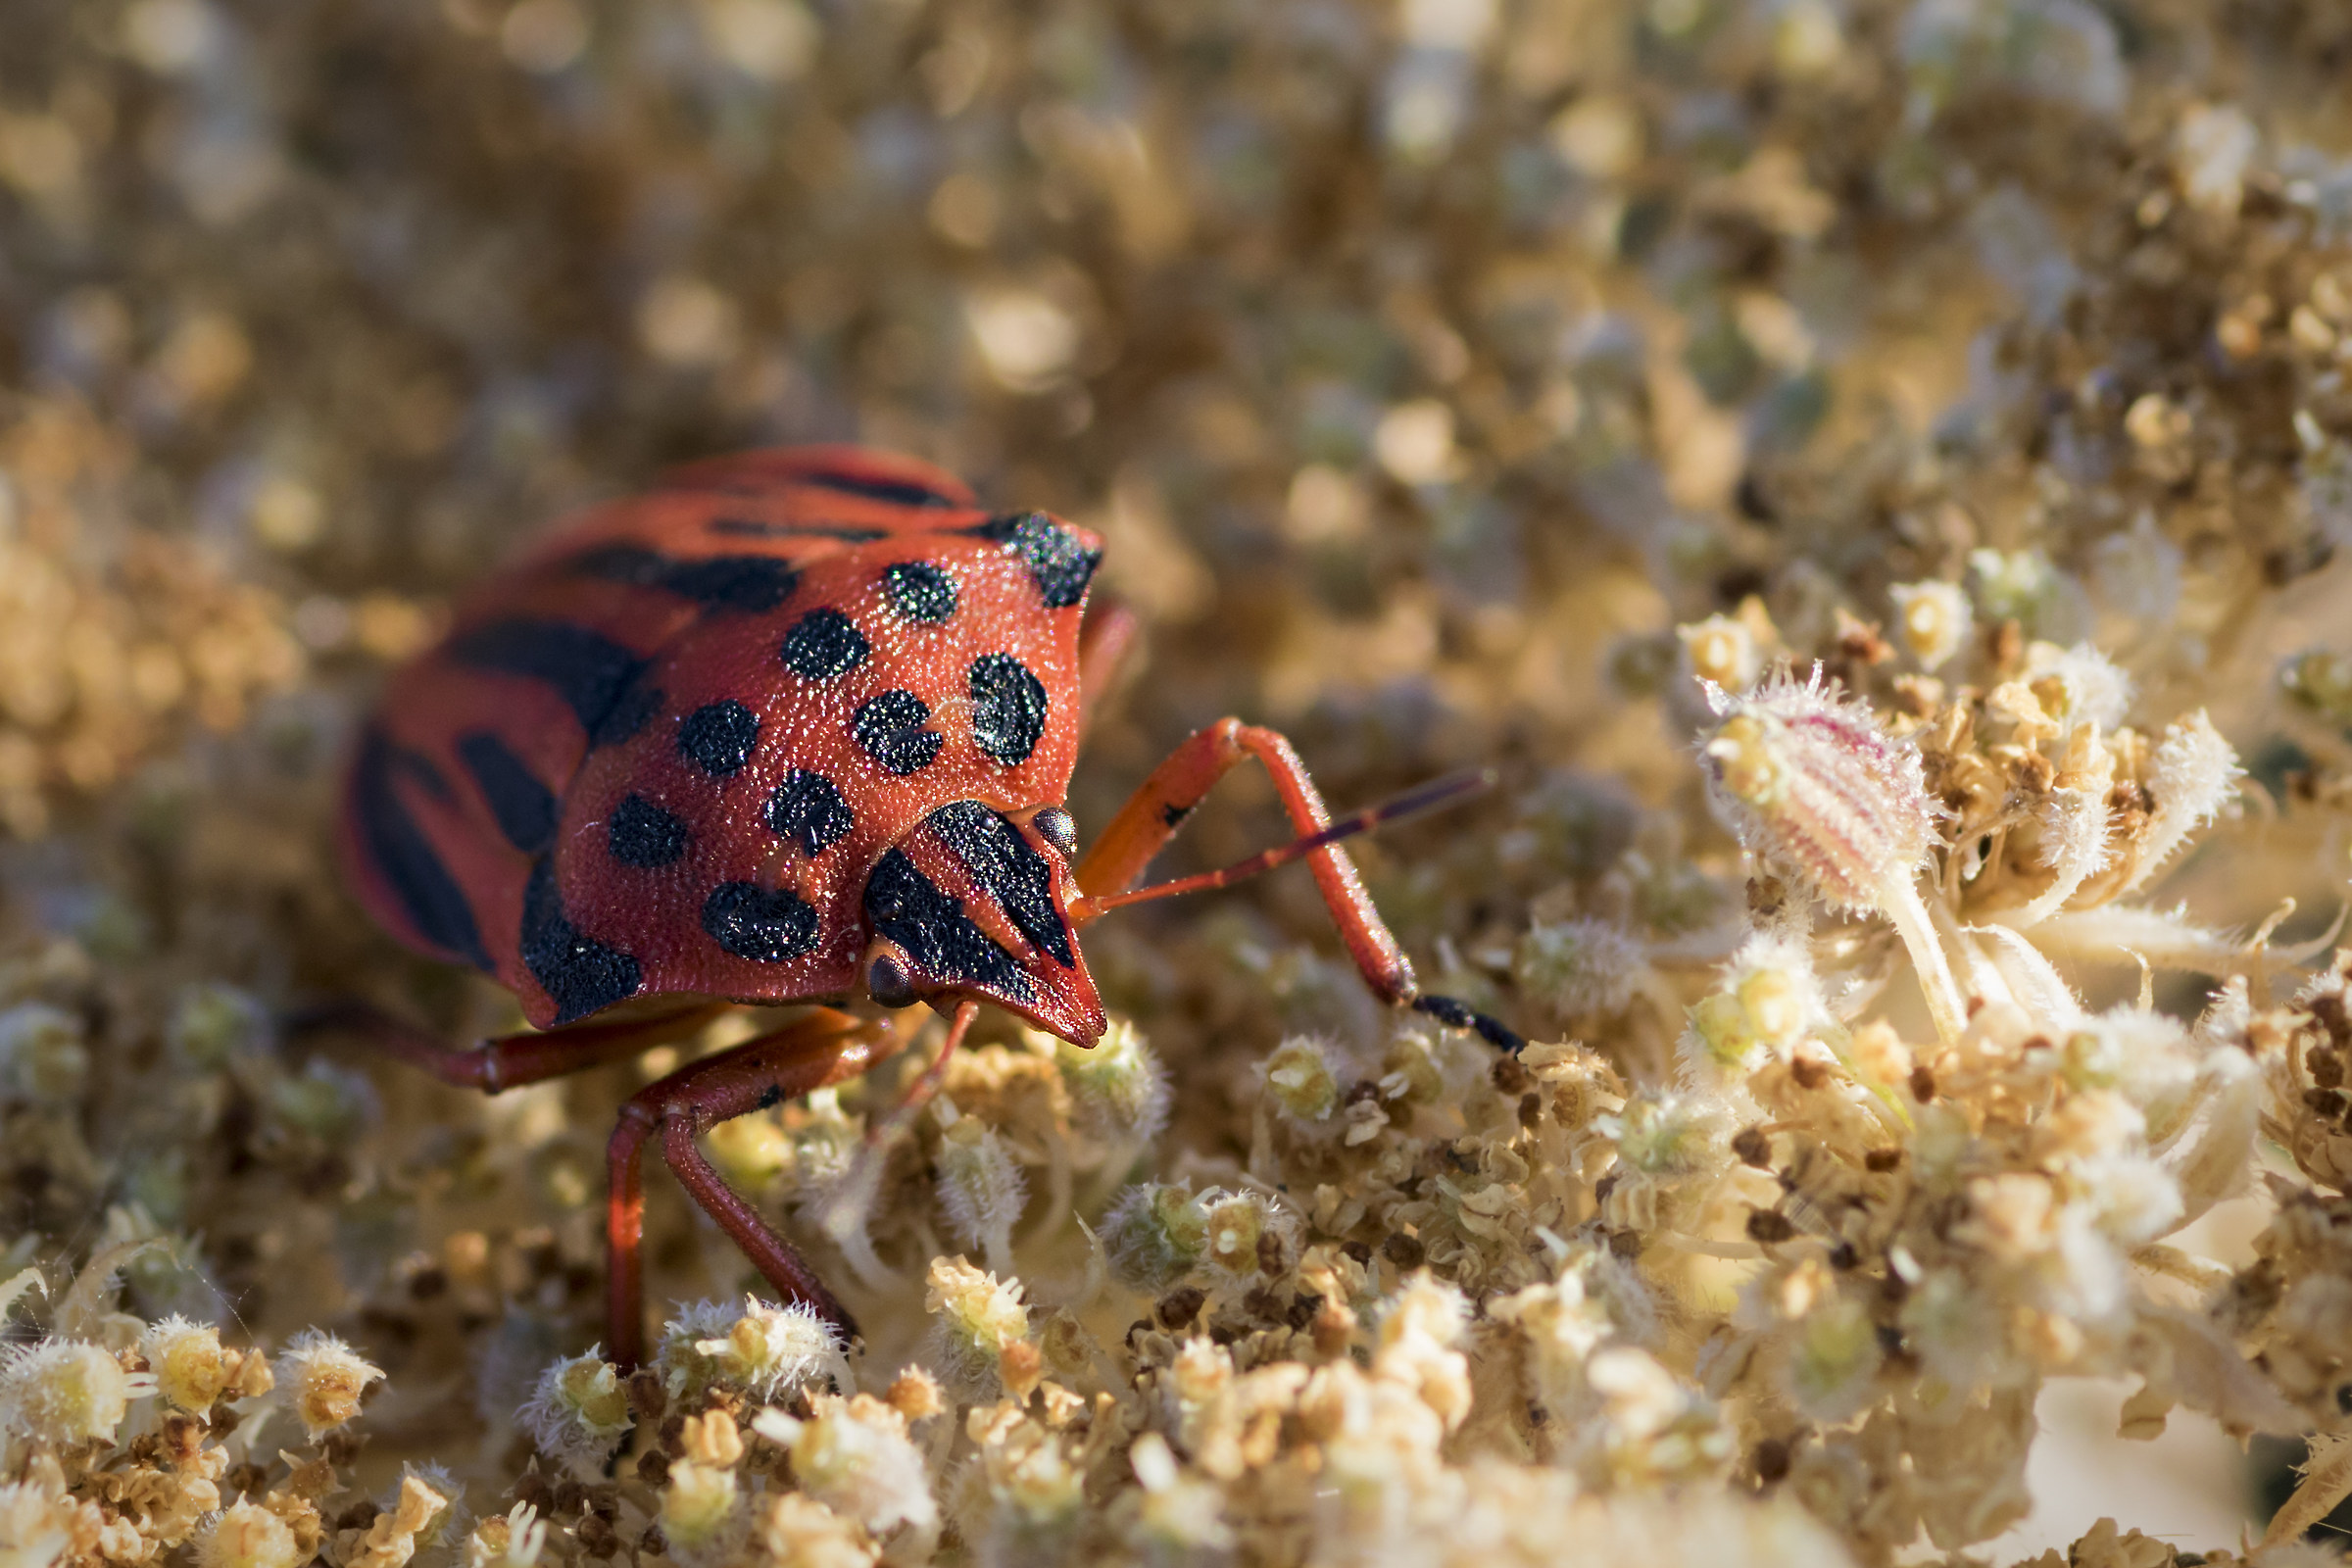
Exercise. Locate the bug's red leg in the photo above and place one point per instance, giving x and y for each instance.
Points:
(1104, 640)
(918, 1094)
(1154, 813)
(504, 1061)
(810, 1052)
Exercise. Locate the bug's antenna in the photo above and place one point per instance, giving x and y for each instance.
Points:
(1428, 796)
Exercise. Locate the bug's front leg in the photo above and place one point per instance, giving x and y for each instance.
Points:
(1154, 813)
(824, 1048)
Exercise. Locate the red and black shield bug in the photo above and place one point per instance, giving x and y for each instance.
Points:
(796, 727)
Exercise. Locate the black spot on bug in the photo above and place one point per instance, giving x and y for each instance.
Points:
(579, 973)
(750, 583)
(897, 492)
(889, 728)
(808, 810)
(643, 835)
(1009, 707)
(941, 941)
(771, 1096)
(1059, 828)
(1172, 816)
(754, 528)
(1009, 869)
(523, 808)
(823, 645)
(1061, 565)
(395, 846)
(719, 737)
(751, 922)
(921, 591)
(590, 671)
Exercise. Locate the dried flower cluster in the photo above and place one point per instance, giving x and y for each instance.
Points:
(1871, 474)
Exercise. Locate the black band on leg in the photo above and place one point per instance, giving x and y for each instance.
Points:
(1455, 1015)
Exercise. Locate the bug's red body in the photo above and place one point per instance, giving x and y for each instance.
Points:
(796, 727)
(662, 751)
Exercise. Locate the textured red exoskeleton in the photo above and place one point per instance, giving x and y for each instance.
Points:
(798, 726)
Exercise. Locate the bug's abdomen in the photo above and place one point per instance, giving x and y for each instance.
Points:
(660, 753)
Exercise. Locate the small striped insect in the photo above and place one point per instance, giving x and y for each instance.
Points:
(796, 727)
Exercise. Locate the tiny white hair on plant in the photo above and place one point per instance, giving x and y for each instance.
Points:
(2194, 776)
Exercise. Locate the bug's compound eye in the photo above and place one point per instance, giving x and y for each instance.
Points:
(888, 982)
(1059, 828)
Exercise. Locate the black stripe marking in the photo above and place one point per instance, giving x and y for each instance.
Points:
(524, 807)
(632, 710)
(941, 941)
(808, 810)
(430, 898)
(1009, 869)
(588, 671)
(1009, 707)
(751, 922)
(897, 492)
(750, 583)
(579, 973)
(1061, 565)
(751, 528)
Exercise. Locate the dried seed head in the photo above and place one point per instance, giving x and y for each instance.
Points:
(578, 1412)
(1300, 1081)
(1155, 1235)
(63, 1391)
(1815, 786)
(325, 1378)
(191, 1369)
(1118, 1090)
(1933, 619)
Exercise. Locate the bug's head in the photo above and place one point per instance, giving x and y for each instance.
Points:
(975, 904)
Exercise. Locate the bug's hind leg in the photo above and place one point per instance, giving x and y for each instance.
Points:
(503, 1061)
(1154, 813)
(823, 1048)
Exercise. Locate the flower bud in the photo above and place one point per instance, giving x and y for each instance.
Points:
(1723, 650)
(977, 1316)
(1153, 1236)
(324, 1378)
(213, 1024)
(1300, 1080)
(766, 1350)
(980, 1188)
(246, 1535)
(578, 1412)
(1238, 1227)
(1932, 620)
(700, 1515)
(854, 1456)
(1118, 1090)
(1577, 966)
(191, 1369)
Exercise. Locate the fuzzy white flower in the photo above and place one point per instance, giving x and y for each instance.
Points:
(854, 1456)
(1301, 1080)
(246, 1535)
(2194, 776)
(1118, 1090)
(63, 1392)
(980, 1187)
(579, 1411)
(765, 1349)
(1153, 1236)
(975, 1317)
